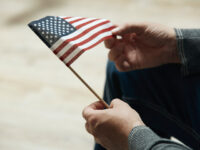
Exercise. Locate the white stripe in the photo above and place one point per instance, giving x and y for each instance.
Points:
(65, 49)
(82, 21)
(88, 44)
(72, 55)
(63, 17)
(73, 18)
(77, 32)
(86, 36)
(96, 39)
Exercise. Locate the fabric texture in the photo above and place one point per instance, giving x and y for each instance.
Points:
(143, 138)
(188, 41)
(167, 102)
(166, 97)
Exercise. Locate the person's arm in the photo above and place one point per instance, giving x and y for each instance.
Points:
(121, 128)
(143, 138)
(188, 44)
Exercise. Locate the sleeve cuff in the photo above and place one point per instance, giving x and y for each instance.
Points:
(181, 52)
(141, 137)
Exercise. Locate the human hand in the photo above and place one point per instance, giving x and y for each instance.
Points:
(143, 45)
(111, 127)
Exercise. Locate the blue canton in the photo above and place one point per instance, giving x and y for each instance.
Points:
(50, 29)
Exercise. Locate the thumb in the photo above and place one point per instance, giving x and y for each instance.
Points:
(117, 103)
(92, 109)
(137, 28)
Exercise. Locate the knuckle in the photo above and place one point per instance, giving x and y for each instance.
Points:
(87, 127)
(95, 133)
(106, 43)
(109, 43)
(115, 100)
(92, 121)
(85, 113)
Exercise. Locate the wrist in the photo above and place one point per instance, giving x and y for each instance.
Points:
(135, 124)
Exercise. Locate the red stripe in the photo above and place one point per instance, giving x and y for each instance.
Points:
(81, 25)
(86, 31)
(68, 52)
(58, 49)
(85, 41)
(74, 58)
(81, 52)
(104, 38)
(76, 20)
(66, 17)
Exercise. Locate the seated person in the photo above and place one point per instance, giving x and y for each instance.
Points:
(155, 69)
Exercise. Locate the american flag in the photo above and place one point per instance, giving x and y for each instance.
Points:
(69, 37)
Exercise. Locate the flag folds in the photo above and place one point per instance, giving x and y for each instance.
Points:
(69, 37)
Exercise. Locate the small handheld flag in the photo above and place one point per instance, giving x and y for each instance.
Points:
(69, 37)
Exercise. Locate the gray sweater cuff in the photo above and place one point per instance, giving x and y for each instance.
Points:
(180, 47)
(141, 137)
(188, 44)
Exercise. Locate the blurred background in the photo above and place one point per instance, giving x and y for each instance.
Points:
(40, 99)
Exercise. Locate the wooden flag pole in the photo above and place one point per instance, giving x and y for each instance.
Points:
(81, 79)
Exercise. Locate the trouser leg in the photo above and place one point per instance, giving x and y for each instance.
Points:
(167, 102)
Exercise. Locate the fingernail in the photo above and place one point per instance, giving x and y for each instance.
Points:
(118, 37)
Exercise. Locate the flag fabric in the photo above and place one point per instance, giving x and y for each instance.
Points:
(69, 37)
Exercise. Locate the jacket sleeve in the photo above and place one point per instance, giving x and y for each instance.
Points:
(143, 138)
(188, 42)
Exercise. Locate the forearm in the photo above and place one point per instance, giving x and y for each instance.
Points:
(188, 44)
(143, 138)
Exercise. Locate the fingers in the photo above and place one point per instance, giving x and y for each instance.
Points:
(116, 103)
(91, 109)
(109, 43)
(122, 64)
(115, 52)
(137, 28)
(87, 127)
(98, 105)
(93, 114)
